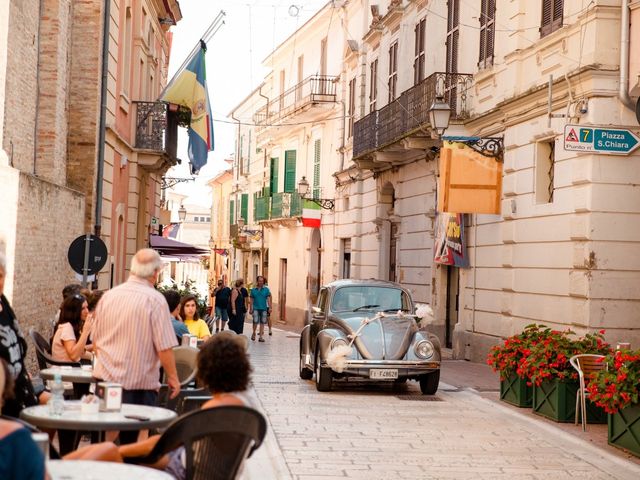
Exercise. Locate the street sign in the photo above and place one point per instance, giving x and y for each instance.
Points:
(87, 255)
(612, 141)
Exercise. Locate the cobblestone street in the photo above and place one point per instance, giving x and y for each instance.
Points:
(378, 432)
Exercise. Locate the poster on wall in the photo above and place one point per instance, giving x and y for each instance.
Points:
(450, 244)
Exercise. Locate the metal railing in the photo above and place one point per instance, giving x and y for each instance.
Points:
(156, 128)
(314, 89)
(410, 111)
(285, 205)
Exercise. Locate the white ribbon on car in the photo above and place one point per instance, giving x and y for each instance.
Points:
(337, 357)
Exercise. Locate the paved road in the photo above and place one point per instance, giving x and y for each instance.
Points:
(360, 431)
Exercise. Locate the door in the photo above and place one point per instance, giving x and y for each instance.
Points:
(282, 295)
(453, 290)
(393, 241)
(317, 319)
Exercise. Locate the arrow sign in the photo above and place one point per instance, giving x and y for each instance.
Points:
(612, 141)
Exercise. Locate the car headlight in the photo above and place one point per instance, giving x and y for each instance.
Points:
(424, 349)
(336, 342)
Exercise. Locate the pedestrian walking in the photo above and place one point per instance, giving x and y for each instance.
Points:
(222, 295)
(259, 306)
(13, 349)
(133, 336)
(72, 330)
(191, 318)
(238, 304)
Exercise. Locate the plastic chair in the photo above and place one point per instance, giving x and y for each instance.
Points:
(216, 441)
(43, 352)
(585, 364)
(186, 366)
(53, 453)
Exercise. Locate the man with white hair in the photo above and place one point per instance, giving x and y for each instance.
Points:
(133, 336)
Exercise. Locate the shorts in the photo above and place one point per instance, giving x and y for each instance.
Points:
(260, 316)
(222, 313)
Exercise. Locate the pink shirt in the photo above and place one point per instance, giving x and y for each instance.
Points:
(132, 324)
(63, 333)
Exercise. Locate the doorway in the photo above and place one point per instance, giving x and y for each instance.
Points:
(453, 291)
(315, 260)
(282, 294)
(393, 242)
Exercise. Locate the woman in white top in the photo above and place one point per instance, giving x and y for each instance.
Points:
(72, 330)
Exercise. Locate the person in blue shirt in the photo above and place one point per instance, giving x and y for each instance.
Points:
(20, 457)
(173, 301)
(259, 306)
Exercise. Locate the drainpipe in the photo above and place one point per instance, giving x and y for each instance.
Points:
(102, 129)
(623, 94)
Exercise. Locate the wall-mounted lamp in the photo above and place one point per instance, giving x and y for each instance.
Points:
(303, 190)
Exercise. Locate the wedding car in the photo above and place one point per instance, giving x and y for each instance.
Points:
(368, 329)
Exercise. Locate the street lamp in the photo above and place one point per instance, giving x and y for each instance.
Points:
(439, 115)
(182, 213)
(303, 190)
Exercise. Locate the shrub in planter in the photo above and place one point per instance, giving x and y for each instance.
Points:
(616, 389)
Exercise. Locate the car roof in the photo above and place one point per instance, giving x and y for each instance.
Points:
(371, 281)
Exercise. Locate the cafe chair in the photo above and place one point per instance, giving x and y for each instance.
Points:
(53, 453)
(216, 441)
(186, 366)
(43, 352)
(585, 364)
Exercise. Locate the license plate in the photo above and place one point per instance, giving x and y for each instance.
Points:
(384, 373)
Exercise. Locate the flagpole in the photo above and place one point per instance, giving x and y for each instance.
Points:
(209, 33)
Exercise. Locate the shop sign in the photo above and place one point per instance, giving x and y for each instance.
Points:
(450, 243)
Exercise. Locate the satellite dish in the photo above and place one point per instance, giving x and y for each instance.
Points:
(294, 10)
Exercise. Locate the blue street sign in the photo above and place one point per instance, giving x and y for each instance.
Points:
(615, 141)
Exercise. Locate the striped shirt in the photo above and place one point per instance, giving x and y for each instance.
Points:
(132, 324)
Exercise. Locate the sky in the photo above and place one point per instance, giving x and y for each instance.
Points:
(253, 28)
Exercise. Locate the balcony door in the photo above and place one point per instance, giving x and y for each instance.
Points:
(282, 294)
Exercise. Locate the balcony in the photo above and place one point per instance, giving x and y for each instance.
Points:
(285, 209)
(317, 90)
(156, 136)
(261, 208)
(400, 132)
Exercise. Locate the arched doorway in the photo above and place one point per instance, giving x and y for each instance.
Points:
(388, 232)
(315, 261)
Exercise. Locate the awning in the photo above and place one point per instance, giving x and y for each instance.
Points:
(167, 247)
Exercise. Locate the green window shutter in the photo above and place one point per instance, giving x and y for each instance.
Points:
(232, 213)
(316, 168)
(244, 206)
(255, 207)
(273, 182)
(290, 171)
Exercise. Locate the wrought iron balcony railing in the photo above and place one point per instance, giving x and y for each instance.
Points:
(285, 205)
(314, 89)
(156, 128)
(409, 113)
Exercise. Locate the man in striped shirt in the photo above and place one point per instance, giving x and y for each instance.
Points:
(133, 336)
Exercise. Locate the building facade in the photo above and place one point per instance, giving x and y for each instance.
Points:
(63, 171)
(221, 251)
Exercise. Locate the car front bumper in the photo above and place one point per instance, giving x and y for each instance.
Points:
(406, 368)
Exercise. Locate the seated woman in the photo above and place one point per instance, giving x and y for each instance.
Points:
(191, 318)
(72, 330)
(20, 457)
(223, 366)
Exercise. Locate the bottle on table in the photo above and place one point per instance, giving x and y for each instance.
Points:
(56, 402)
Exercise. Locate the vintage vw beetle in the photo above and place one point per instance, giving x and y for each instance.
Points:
(370, 325)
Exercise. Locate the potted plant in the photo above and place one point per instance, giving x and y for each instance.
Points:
(616, 389)
(505, 359)
(554, 380)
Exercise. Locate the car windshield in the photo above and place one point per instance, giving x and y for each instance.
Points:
(367, 297)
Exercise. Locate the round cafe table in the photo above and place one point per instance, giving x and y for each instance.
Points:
(69, 374)
(91, 470)
(74, 419)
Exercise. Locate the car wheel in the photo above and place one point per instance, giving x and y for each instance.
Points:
(305, 373)
(324, 377)
(429, 382)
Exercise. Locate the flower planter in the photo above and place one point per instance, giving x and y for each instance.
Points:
(514, 390)
(556, 400)
(624, 429)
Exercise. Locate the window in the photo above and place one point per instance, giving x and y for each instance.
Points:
(346, 258)
(352, 105)
(322, 300)
(126, 62)
(247, 159)
(551, 16)
(323, 56)
(348, 299)
(393, 71)
(244, 207)
(273, 180)
(300, 77)
(453, 34)
(290, 171)
(208, 220)
(487, 32)
(316, 169)
(545, 171)
(418, 62)
(373, 86)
